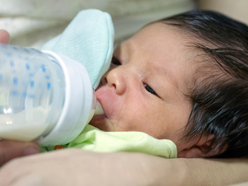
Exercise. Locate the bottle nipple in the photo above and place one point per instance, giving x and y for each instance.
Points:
(99, 110)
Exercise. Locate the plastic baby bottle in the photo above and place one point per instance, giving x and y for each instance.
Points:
(44, 96)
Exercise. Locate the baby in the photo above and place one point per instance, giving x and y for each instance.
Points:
(182, 78)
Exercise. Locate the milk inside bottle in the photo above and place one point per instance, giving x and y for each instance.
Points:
(44, 96)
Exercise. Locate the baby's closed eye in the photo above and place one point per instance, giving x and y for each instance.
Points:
(149, 89)
(115, 61)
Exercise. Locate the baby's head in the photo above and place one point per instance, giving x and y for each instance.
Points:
(183, 78)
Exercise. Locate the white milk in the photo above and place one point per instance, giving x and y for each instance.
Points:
(22, 125)
(31, 80)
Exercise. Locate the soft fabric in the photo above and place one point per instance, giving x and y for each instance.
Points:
(88, 39)
(96, 140)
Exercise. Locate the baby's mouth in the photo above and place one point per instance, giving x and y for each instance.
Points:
(100, 122)
(99, 116)
(104, 109)
(97, 119)
(99, 109)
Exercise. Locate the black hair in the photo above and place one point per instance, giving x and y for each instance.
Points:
(220, 97)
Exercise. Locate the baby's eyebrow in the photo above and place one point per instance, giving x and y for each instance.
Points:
(130, 46)
(125, 48)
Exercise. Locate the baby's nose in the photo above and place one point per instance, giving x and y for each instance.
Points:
(116, 78)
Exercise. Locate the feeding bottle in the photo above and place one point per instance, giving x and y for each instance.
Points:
(44, 96)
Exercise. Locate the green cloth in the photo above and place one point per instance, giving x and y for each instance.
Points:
(96, 140)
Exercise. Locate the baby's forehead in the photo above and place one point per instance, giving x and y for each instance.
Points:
(172, 37)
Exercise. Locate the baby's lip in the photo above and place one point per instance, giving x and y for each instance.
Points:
(100, 122)
(98, 118)
(104, 96)
(99, 109)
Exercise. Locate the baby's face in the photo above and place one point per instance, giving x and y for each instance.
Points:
(146, 86)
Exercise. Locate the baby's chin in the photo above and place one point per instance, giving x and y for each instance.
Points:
(101, 122)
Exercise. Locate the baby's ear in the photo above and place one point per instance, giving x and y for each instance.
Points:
(201, 149)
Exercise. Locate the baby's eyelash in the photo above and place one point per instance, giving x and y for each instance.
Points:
(149, 89)
(115, 61)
